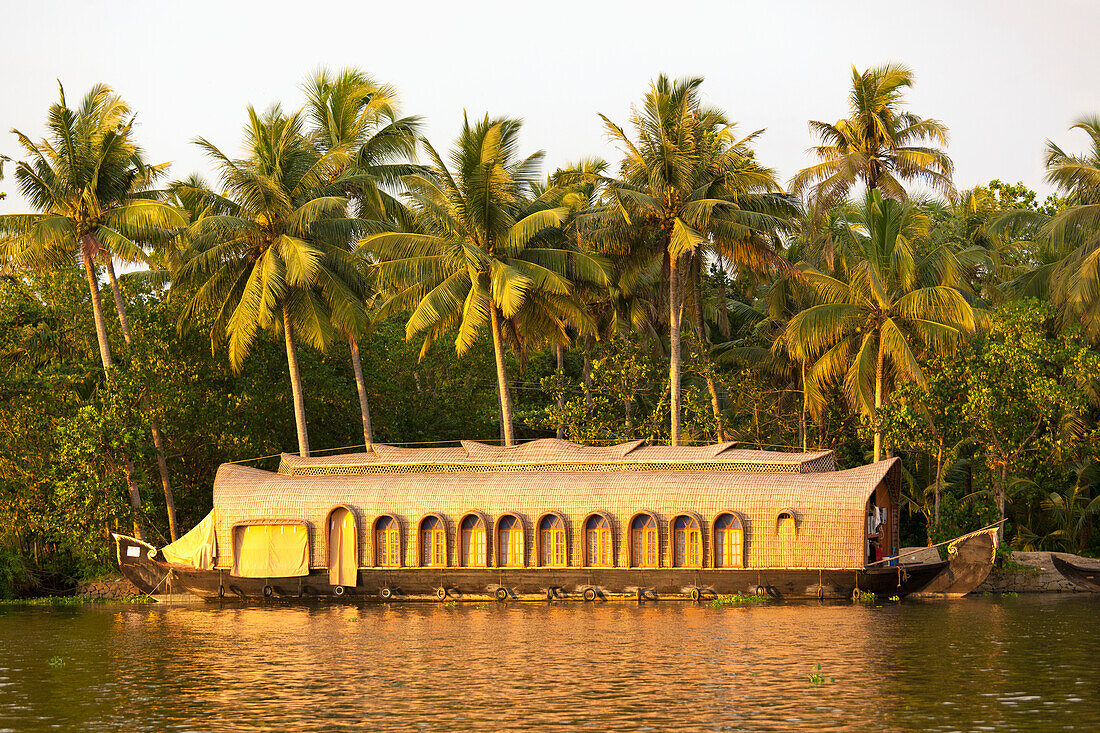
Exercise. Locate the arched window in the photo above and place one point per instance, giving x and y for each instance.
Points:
(433, 543)
(729, 542)
(787, 530)
(597, 532)
(387, 542)
(687, 543)
(645, 552)
(785, 525)
(511, 548)
(552, 542)
(473, 542)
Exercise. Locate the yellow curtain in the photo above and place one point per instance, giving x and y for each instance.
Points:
(270, 551)
(197, 548)
(343, 565)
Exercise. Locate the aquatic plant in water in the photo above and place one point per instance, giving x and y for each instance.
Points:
(863, 597)
(71, 600)
(56, 662)
(738, 599)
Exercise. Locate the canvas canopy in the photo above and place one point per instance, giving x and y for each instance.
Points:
(270, 551)
(197, 548)
(343, 550)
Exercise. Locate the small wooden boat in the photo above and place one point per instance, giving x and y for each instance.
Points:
(1082, 575)
(546, 520)
(970, 558)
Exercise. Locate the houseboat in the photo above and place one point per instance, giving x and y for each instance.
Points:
(547, 520)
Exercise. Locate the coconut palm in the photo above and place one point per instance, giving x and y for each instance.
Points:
(351, 113)
(480, 254)
(1070, 272)
(85, 180)
(887, 303)
(879, 143)
(687, 186)
(268, 262)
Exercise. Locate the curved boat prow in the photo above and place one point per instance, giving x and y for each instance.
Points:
(970, 558)
(1086, 577)
(135, 560)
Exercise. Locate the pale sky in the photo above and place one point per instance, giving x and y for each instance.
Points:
(1004, 76)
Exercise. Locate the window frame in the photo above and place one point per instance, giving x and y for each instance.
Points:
(503, 548)
(656, 555)
(420, 530)
(376, 546)
(460, 549)
(541, 550)
(714, 540)
(673, 544)
(610, 540)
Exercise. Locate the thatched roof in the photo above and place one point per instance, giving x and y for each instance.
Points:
(550, 454)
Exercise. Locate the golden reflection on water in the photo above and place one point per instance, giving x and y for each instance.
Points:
(1006, 664)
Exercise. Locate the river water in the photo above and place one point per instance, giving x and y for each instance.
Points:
(990, 663)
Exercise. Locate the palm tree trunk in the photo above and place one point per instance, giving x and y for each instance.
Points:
(674, 348)
(296, 385)
(701, 334)
(105, 358)
(559, 352)
(361, 388)
(878, 399)
(502, 379)
(154, 423)
(939, 484)
(586, 372)
(97, 312)
(802, 419)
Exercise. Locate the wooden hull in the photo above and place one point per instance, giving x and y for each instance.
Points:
(1085, 577)
(971, 559)
(472, 584)
(135, 560)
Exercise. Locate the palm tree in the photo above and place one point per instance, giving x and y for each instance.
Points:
(481, 254)
(352, 113)
(886, 303)
(267, 262)
(687, 186)
(85, 182)
(879, 143)
(1072, 274)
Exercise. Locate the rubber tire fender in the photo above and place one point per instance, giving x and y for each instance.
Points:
(386, 594)
(268, 591)
(338, 591)
(502, 593)
(221, 591)
(441, 593)
(696, 594)
(590, 594)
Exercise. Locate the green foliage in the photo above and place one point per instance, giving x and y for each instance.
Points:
(739, 599)
(865, 597)
(815, 677)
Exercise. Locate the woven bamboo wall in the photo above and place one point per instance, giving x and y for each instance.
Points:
(829, 507)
